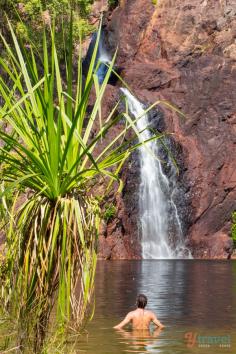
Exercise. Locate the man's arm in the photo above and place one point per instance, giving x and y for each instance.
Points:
(156, 321)
(123, 323)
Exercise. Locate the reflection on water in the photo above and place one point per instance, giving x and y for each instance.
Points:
(193, 299)
(140, 341)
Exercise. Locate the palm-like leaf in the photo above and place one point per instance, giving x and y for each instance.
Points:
(52, 153)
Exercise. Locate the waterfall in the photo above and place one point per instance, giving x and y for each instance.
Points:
(157, 209)
(161, 229)
(102, 56)
(104, 59)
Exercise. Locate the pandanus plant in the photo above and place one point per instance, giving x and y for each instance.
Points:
(51, 158)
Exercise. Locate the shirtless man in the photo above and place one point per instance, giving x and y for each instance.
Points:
(140, 318)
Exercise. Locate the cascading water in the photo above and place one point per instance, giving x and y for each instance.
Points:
(162, 235)
(104, 59)
(102, 56)
(158, 211)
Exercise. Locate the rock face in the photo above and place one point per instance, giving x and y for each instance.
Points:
(183, 51)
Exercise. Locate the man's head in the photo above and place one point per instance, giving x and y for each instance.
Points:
(141, 301)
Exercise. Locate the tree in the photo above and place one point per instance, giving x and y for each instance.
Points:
(28, 18)
(51, 155)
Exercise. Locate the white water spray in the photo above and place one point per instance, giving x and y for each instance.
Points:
(104, 59)
(156, 205)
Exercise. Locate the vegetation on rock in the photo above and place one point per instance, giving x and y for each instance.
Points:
(110, 212)
(113, 3)
(233, 228)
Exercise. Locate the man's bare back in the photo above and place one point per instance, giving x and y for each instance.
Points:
(140, 318)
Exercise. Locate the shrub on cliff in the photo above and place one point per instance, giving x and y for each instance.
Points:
(233, 228)
(109, 212)
(113, 4)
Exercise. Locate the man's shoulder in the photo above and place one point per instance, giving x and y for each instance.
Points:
(130, 314)
(150, 313)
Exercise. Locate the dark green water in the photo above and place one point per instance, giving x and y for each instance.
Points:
(194, 299)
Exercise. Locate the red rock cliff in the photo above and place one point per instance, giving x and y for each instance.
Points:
(183, 51)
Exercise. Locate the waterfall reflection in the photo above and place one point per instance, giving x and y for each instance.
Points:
(140, 341)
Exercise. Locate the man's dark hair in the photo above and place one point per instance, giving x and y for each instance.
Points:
(141, 301)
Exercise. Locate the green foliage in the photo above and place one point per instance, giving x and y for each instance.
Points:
(50, 152)
(110, 212)
(29, 18)
(113, 3)
(233, 228)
